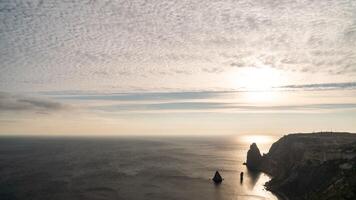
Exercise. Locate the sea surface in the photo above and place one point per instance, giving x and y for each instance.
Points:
(128, 168)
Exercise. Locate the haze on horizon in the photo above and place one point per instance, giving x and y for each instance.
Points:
(115, 67)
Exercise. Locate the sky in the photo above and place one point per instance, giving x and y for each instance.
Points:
(179, 67)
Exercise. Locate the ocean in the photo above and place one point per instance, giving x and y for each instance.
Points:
(127, 168)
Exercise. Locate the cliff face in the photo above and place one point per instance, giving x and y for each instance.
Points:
(312, 166)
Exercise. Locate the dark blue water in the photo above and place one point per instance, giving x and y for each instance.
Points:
(126, 168)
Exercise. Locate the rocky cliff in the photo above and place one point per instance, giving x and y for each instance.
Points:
(310, 166)
(253, 157)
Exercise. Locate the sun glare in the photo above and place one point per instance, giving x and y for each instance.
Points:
(256, 79)
(258, 139)
(258, 83)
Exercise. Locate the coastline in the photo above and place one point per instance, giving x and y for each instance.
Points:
(308, 165)
(278, 194)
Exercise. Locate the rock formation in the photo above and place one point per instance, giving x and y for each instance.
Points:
(217, 177)
(253, 157)
(310, 166)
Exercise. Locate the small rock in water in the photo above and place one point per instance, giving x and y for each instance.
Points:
(217, 177)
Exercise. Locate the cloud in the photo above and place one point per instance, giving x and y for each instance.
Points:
(238, 64)
(141, 43)
(9, 102)
(214, 70)
(332, 62)
(323, 86)
(177, 71)
(77, 95)
(201, 101)
(220, 107)
(144, 96)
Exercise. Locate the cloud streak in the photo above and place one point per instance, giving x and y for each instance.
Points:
(9, 102)
(145, 96)
(221, 107)
(323, 86)
(186, 95)
(213, 101)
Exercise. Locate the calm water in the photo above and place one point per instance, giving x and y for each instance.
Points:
(126, 168)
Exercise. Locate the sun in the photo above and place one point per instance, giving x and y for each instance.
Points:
(256, 78)
(257, 83)
(259, 139)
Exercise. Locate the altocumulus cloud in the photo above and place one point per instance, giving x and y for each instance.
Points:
(119, 44)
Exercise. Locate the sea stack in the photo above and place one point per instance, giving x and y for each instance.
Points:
(253, 157)
(217, 177)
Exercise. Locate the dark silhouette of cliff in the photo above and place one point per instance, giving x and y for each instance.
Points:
(253, 157)
(310, 166)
